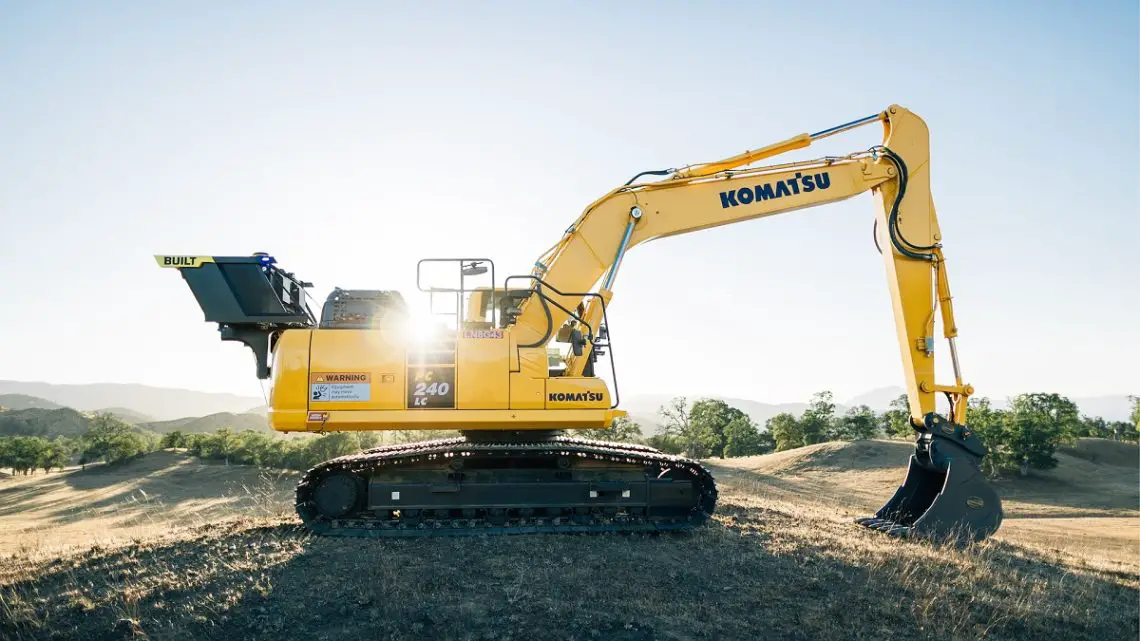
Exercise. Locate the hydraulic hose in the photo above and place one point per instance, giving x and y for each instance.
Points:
(549, 322)
(657, 172)
(904, 247)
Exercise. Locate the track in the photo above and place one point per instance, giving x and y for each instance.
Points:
(348, 496)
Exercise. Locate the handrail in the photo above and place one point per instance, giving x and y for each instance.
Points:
(605, 319)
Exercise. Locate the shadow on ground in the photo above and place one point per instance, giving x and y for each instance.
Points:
(753, 573)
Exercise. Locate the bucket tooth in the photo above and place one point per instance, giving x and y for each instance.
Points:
(944, 495)
(900, 531)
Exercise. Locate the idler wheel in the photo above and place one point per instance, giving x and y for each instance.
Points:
(337, 494)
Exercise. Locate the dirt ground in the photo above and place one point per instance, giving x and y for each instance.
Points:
(214, 552)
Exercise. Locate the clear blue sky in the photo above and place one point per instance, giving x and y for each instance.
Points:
(352, 138)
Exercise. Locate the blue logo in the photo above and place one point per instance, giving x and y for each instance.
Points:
(769, 191)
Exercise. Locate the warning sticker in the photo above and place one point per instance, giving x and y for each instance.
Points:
(326, 387)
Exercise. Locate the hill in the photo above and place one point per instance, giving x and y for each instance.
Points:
(162, 403)
(24, 402)
(192, 551)
(211, 423)
(65, 421)
(47, 423)
(104, 503)
(1098, 450)
(127, 415)
(1084, 510)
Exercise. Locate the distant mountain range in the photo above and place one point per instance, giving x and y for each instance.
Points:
(1111, 407)
(211, 423)
(153, 403)
(64, 421)
(164, 409)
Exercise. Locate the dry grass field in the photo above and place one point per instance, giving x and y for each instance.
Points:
(169, 548)
(48, 514)
(1087, 510)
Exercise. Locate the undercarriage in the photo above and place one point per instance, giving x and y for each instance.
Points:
(504, 482)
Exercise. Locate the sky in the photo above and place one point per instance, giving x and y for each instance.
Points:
(350, 139)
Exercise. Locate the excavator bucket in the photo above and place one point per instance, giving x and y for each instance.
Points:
(944, 496)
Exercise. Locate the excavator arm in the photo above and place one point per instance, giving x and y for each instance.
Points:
(944, 479)
(714, 194)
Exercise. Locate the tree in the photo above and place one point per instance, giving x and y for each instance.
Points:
(695, 439)
(1123, 431)
(1135, 411)
(859, 423)
(896, 420)
(56, 455)
(251, 448)
(23, 453)
(665, 443)
(333, 445)
(743, 438)
(1094, 427)
(990, 427)
(712, 418)
(1030, 442)
(6, 453)
(786, 431)
(623, 430)
(175, 439)
(1059, 414)
(816, 421)
(1025, 436)
(111, 440)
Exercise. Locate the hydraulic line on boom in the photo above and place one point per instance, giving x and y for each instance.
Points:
(491, 373)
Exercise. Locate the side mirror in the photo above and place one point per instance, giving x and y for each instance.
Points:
(576, 341)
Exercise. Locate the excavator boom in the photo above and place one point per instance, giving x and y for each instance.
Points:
(494, 376)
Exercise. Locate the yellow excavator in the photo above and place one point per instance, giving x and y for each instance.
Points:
(511, 365)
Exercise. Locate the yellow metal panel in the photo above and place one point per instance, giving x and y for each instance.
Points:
(575, 393)
(527, 392)
(338, 352)
(909, 280)
(289, 393)
(513, 350)
(534, 362)
(482, 376)
(510, 419)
